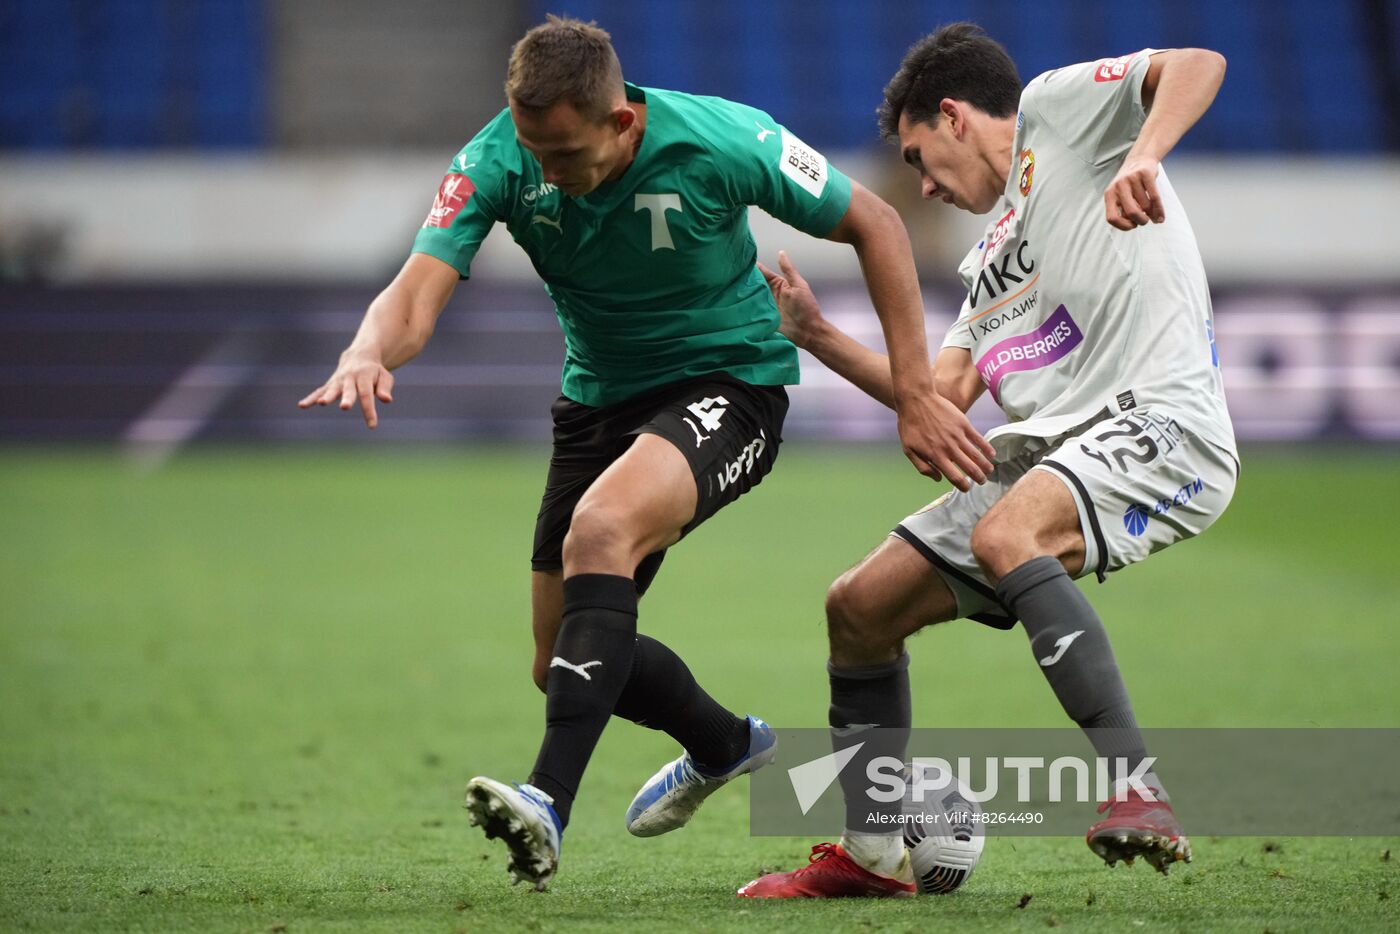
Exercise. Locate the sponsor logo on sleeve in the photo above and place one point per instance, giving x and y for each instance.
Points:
(1026, 163)
(1031, 351)
(1113, 69)
(803, 164)
(454, 192)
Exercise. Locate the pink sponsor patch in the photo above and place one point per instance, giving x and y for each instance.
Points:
(1041, 347)
(1113, 69)
(454, 192)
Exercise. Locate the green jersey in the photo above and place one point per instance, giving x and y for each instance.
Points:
(653, 275)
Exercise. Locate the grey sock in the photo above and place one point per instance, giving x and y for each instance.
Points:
(870, 706)
(1073, 652)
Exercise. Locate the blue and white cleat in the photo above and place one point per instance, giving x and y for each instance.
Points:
(522, 816)
(669, 799)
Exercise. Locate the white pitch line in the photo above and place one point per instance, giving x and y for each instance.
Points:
(186, 406)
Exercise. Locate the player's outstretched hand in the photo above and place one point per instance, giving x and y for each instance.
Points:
(1131, 199)
(801, 312)
(357, 379)
(940, 441)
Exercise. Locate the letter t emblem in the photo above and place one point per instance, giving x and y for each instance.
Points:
(657, 206)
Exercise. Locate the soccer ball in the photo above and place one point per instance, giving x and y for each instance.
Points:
(941, 832)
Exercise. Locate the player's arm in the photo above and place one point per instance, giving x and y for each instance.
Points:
(954, 376)
(395, 329)
(937, 437)
(1178, 88)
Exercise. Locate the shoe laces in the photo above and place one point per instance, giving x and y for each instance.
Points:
(819, 855)
(1133, 803)
(688, 774)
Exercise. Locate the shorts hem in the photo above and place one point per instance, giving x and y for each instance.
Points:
(940, 564)
(1077, 485)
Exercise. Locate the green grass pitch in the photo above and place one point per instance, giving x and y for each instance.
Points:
(244, 692)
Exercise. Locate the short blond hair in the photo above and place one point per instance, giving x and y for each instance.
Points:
(565, 59)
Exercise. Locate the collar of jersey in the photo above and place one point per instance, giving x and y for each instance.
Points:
(606, 195)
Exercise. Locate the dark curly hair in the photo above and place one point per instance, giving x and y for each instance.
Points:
(959, 61)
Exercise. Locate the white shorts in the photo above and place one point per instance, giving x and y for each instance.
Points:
(1141, 482)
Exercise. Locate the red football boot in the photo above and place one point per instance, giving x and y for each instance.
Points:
(829, 873)
(1137, 827)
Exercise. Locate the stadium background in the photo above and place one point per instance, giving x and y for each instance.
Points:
(249, 654)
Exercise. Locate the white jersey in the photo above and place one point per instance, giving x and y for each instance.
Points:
(1067, 317)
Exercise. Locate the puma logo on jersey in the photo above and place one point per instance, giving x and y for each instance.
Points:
(1061, 646)
(763, 131)
(580, 670)
(463, 164)
(547, 221)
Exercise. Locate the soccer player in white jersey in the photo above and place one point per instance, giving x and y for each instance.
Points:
(1088, 318)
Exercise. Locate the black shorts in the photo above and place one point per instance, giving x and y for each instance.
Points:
(728, 430)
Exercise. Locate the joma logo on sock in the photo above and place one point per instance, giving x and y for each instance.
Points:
(1061, 646)
(744, 462)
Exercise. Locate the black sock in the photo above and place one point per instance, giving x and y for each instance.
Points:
(663, 695)
(592, 661)
(1066, 632)
(862, 700)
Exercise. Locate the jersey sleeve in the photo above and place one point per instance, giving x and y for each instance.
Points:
(959, 334)
(471, 197)
(761, 162)
(1094, 107)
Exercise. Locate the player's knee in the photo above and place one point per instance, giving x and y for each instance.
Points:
(853, 623)
(997, 545)
(596, 529)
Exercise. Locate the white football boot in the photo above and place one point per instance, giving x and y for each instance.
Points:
(522, 816)
(667, 801)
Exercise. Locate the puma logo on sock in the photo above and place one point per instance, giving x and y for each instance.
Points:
(852, 728)
(1061, 646)
(580, 670)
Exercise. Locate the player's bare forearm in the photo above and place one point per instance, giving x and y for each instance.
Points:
(395, 329)
(937, 438)
(1177, 89)
(804, 325)
(874, 229)
(956, 379)
(954, 376)
(866, 369)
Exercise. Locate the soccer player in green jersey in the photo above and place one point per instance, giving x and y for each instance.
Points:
(632, 205)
